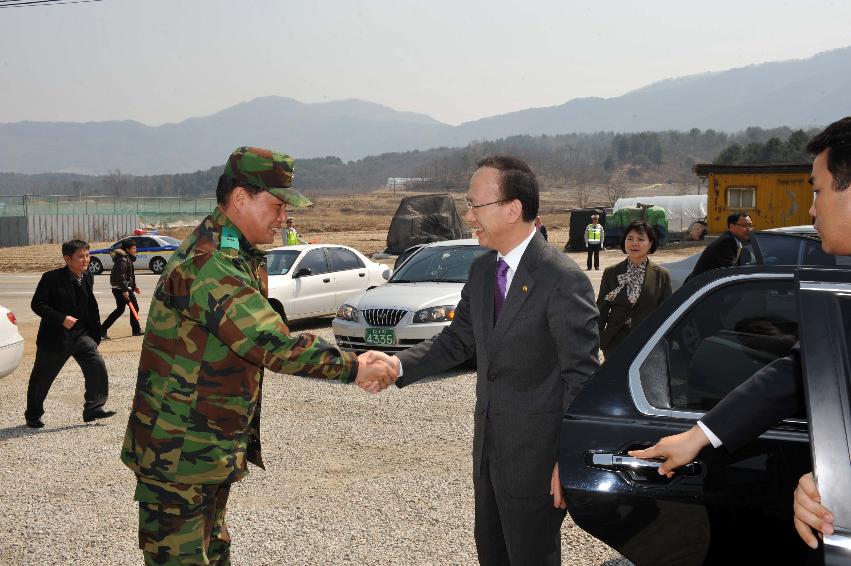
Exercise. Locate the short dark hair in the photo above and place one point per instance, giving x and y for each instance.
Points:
(642, 227)
(837, 138)
(127, 244)
(70, 247)
(516, 181)
(226, 186)
(735, 217)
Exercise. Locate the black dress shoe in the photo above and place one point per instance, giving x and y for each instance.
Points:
(35, 424)
(139, 333)
(101, 414)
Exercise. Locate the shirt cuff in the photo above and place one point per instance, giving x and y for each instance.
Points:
(401, 370)
(716, 442)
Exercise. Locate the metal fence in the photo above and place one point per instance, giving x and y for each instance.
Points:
(150, 210)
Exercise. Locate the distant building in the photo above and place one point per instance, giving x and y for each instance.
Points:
(405, 183)
(774, 195)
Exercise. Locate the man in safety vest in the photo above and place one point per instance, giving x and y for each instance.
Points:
(291, 237)
(595, 234)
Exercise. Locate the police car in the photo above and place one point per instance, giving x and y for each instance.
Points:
(152, 252)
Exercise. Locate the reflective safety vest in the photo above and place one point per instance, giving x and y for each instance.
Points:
(292, 237)
(594, 233)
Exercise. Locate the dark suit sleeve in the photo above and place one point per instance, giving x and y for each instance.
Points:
(727, 254)
(454, 345)
(41, 303)
(770, 395)
(602, 308)
(572, 318)
(665, 278)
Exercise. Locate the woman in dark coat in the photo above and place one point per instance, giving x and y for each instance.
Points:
(632, 289)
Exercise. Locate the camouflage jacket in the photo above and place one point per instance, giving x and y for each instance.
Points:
(210, 331)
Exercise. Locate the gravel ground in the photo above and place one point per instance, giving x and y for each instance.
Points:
(350, 479)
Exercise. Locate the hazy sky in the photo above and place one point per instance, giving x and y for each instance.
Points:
(159, 61)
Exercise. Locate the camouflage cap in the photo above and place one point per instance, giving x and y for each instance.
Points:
(268, 170)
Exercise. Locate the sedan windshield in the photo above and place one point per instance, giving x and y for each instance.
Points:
(449, 264)
(280, 262)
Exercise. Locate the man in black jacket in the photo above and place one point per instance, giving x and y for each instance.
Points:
(122, 277)
(727, 248)
(70, 326)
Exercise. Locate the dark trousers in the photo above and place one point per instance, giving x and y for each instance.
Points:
(120, 306)
(510, 530)
(48, 364)
(594, 251)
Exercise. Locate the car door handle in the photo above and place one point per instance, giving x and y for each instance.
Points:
(638, 468)
(361, 274)
(326, 280)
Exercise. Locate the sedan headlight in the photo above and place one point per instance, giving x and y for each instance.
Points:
(436, 314)
(348, 312)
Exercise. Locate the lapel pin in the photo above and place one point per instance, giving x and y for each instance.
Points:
(525, 289)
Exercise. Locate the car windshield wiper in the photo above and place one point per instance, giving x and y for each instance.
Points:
(449, 280)
(401, 281)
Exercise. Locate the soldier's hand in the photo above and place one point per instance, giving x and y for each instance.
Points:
(376, 371)
(126, 295)
(69, 322)
(678, 450)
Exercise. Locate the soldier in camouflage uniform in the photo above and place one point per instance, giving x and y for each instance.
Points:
(194, 423)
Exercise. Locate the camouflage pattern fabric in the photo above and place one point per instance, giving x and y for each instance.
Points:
(268, 170)
(186, 535)
(196, 413)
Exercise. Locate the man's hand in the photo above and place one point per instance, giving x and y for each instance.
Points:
(125, 294)
(678, 450)
(376, 371)
(136, 290)
(809, 513)
(556, 491)
(69, 322)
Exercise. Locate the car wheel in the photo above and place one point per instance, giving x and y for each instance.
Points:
(157, 265)
(95, 266)
(279, 308)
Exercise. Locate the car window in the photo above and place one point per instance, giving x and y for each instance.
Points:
(777, 249)
(315, 261)
(170, 241)
(720, 342)
(146, 243)
(439, 263)
(343, 259)
(280, 262)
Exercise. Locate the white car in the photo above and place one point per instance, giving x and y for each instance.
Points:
(11, 342)
(416, 303)
(152, 252)
(311, 280)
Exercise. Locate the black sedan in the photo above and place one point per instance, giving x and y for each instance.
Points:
(707, 338)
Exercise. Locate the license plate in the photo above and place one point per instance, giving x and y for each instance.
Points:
(380, 337)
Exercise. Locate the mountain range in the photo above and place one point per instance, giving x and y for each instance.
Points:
(796, 93)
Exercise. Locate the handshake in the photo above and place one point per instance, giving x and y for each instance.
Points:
(377, 371)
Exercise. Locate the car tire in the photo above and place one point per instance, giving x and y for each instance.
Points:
(279, 308)
(95, 266)
(157, 265)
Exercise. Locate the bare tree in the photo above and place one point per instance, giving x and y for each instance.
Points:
(617, 188)
(583, 189)
(116, 183)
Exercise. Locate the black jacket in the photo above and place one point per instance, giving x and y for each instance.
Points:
(53, 299)
(723, 252)
(122, 276)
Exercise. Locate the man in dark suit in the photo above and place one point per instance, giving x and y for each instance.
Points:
(70, 326)
(528, 314)
(776, 391)
(726, 250)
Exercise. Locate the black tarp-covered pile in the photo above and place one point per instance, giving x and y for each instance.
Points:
(423, 219)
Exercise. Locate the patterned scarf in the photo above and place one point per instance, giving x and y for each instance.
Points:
(632, 279)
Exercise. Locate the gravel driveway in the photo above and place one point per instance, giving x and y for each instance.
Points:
(351, 478)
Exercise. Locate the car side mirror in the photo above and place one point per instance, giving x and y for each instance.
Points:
(303, 272)
(386, 274)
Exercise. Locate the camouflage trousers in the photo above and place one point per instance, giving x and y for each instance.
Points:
(184, 533)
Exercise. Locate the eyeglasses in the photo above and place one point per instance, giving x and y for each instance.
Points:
(748, 226)
(472, 206)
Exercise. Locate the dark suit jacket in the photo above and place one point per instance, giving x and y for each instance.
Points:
(531, 365)
(614, 315)
(723, 252)
(770, 395)
(54, 297)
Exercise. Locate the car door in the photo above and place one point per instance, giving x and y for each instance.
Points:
(313, 291)
(350, 274)
(700, 344)
(825, 297)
